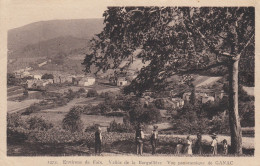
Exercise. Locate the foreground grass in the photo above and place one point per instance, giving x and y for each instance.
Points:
(82, 144)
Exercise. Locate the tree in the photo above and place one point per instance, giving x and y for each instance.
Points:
(178, 41)
(193, 95)
(72, 121)
(47, 76)
(11, 80)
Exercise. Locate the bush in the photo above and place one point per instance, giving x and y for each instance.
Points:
(91, 128)
(82, 90)
(16, 129)
(144, 115)
(159, 103)
(190, 120)
(15, 120)
(72, 121)
(47, 76)
(33, 108)
(92, 93)
(121, 128)
(38, 123)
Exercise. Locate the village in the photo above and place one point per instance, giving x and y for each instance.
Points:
(138, 76)
(35, 81)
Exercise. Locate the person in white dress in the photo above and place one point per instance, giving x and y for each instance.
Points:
(189, 145)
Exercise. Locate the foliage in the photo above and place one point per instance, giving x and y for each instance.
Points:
(121, 128)
(190, 120)
(216, 107)
(82, 90)
(92, 93)
(247, 113)
(173, 40)
(92, 128)
(47, 76)
(144, 115)
(72, 121)
(11, 80)
(38, 123)
(159, 103)
(15, 120)
(219, 124)
(32, 109)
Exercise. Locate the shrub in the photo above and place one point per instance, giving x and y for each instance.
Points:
(38, 123)
(91, 128)
(92, 93)
(144, 115)
(16, 129)
(33, 108)
(15, 120)
(191, 120)
(47, 76)
(159, 103)
(121, 128)
(72, 121)
(219, 124)
(82, 90)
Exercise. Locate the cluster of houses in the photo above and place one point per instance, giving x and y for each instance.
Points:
(75, 80)
(205, 95)
(23, 73)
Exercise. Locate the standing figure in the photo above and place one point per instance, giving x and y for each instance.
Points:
(214, 144)
(139, 136)
(98, 140)
(198, 145)
(189, 145)
(154, 139)
(225, 147)
(179, 147)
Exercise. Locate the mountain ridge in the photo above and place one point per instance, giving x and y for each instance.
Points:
(46, 30)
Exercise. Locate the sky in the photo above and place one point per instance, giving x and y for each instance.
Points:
(21, 13)
(16, 13)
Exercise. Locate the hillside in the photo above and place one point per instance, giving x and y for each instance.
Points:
(50, 48)
(45, 40)
(19, 38)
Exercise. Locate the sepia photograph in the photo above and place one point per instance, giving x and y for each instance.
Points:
(133, 81)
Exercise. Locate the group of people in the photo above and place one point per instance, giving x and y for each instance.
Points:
(181, 147)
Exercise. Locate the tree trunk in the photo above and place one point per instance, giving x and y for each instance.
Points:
(234, 120)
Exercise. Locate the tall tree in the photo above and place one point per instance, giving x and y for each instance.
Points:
(178, 40)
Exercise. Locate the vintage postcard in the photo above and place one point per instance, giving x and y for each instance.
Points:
(135, 83)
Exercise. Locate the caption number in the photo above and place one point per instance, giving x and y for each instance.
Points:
(52, 162)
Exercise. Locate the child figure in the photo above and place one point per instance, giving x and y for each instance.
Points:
(225, 147)
(179, 147)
